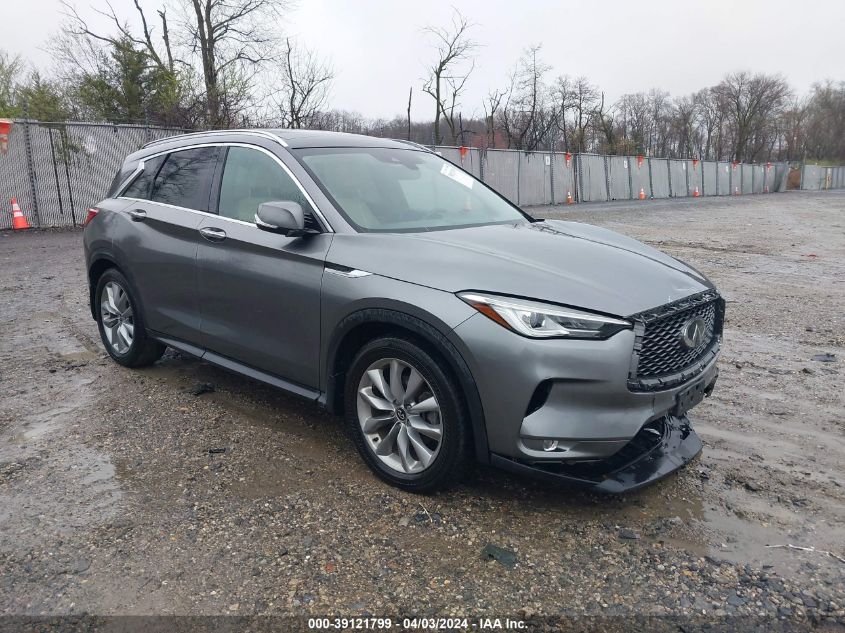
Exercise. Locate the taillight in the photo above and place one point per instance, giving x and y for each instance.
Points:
(92, 213)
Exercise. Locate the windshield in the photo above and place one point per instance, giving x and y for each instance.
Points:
(380, 189)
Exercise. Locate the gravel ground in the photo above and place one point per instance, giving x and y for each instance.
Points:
(121, 492)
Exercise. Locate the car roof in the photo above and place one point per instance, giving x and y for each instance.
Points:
(292, 139)
(323, 138)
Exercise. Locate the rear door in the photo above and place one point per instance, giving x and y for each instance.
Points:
(161, 245)
(259, 292)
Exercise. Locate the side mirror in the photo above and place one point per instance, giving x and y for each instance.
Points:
(281, 216)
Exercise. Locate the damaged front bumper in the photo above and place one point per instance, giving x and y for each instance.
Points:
(659, 449)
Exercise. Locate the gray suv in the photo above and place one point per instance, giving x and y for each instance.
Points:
(387, 284)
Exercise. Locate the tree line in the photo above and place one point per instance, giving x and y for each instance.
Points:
(224, 63)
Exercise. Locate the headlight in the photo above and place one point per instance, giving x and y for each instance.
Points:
(543, 320)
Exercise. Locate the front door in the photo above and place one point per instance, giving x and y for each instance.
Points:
(259, 292)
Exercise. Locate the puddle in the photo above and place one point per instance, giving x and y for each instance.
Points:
(59, 484)
(84, 355)
(82, 491)
(746, 539)
(38, 422)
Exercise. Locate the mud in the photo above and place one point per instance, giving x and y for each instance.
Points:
(122, 493)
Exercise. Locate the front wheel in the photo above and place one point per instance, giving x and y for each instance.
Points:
(121, 324)
(406, 415)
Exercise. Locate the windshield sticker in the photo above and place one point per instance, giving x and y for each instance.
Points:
(461, 177)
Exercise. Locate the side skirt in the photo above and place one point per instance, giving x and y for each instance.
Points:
(225, 362)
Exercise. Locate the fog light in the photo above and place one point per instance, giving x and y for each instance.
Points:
(549, 445)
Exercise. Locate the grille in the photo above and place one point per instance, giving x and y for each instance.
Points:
(660, 358)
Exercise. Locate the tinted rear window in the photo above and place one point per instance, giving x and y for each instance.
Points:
(140, 187)
(185, 177)
(119, 177)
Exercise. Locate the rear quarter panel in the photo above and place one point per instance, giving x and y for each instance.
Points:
(98, 236)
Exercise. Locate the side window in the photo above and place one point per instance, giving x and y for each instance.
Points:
(250, 178)
(185, 177)
(140, 187)
(119, 177)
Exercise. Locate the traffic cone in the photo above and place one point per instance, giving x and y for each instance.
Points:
(766, 190)
(695, 193)
(642, 193)
(18, 218)
(569, 197)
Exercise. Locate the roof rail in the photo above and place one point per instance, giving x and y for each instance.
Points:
(261, 133)
(417, 145)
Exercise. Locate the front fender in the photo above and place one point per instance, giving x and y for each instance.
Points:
(355, 312)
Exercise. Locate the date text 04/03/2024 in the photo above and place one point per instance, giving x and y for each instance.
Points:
(443, 624)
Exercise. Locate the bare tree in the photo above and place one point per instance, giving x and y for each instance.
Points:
(658, 134)
(126, 72)
(230, 36)
(710, 116)
(634, 111)
(447, 77)
(682, 124)
(526, 118)
(492, 103)
(563, 97)
(605, 121)
(306, 82)
(823, 125)
(531, 115)
(585, 100)
(160, 54)
(230, 39)
(196, 62)
(753, 101)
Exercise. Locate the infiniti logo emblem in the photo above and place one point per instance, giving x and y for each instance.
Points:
(692, 333)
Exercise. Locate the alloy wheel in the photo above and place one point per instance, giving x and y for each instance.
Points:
(399, 415)
(117, 317)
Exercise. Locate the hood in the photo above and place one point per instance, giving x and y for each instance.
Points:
(570, 263)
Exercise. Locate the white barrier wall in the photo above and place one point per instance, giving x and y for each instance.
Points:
(57, 171)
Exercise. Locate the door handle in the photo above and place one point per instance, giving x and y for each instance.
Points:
(213, 234)
(138, 215)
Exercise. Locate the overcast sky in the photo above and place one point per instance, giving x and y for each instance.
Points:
(378, 49)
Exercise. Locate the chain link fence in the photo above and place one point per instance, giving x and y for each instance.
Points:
(57, 170)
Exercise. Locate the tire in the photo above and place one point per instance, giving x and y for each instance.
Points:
(426, 464)
(119, 315)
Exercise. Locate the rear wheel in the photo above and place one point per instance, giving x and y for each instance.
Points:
(406, 415)
(121, 324)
